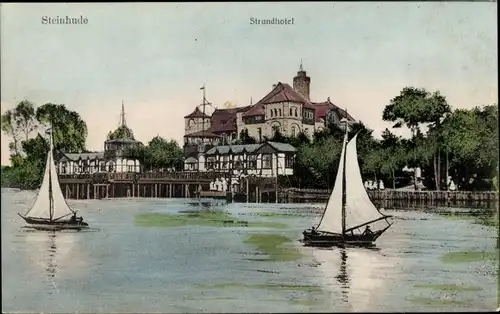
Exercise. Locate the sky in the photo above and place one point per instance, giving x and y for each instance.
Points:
(155, 57)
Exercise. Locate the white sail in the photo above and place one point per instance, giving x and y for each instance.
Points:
(359, 207)
(41, 207)
(332, 216)
(60, 207)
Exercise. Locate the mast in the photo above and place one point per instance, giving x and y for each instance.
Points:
(344, 195)
(51, 198)
(204, 105)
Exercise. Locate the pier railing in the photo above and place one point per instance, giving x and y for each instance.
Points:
(323, 195)
(147, 176)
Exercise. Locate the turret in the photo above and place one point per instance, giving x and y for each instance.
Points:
(302, 83)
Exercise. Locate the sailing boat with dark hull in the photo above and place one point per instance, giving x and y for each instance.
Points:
(349, 208)
(50, 210)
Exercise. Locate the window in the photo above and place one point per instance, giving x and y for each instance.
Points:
(238, 162)
(275, 112)
(211, 161)
(295, 111)
(75, 168)
(258, 118)
(225, 162)
(259, 130)
(280, 111)
(289, 160)
(271, 113)
(111, 167)
(291, 112)
(63, 168)
(308, 114)
(276, 129)
(267, 161)
(130, 168)
(103, 167)
(252, 161)
(293, 130)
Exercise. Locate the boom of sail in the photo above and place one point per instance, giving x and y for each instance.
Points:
(50, 203)
(359, 209)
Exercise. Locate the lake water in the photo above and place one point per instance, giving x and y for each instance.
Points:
(125, 267)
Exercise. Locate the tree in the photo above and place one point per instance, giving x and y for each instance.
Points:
(320, 159)
(121, 132)
(68, 128)
(159, 154)
(392, 155)
(10, 129)
(415, 106)
(36, 151)
(245, 138)
(471, 138)
(24, 115)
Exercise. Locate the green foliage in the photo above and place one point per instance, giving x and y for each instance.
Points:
(19, 121)
(122, 132)
(160, 154)
(414, 106)
(245, 138)
(28, 156)
(68, 128)
(24, 115)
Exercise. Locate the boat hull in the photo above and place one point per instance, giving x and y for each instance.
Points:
(323, 239)
(45, 224)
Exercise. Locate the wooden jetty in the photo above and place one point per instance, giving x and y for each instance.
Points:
(181, 184)
(186, 184)
(128, 184)
(295, 195)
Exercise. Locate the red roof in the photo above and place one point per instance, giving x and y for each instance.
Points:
(206, 133)
(323, 107)
(197, 114)
(281, 93)
(224, 120)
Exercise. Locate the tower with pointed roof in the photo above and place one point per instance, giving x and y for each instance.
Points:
(120, 139)
(196, 121)
(302, 83)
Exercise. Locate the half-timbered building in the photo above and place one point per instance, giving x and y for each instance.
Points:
(267, 159)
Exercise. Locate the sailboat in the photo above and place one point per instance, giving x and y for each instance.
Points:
(50, 210)
(349, 207)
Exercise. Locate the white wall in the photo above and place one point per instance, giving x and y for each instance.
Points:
(285, 121)
(117, 165)
(193, 125)
(278, 165)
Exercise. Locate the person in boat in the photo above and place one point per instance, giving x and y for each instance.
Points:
(72, 220)
(313, 230)
(368, 231)
(79, 219)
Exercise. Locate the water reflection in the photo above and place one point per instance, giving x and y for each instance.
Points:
(54, 255)
(352, 275)
(343, 277)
